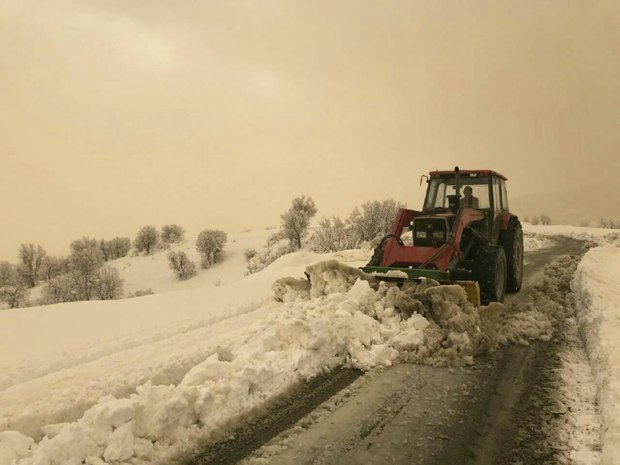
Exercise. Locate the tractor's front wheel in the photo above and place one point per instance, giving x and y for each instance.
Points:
(491, 272)
(512, 241)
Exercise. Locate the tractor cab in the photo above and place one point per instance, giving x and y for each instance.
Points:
(482, 190)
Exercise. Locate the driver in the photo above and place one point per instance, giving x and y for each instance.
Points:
(469, 200)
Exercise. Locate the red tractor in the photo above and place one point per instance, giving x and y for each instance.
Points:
(465, 233)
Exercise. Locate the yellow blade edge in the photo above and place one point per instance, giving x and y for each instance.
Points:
(473, 291)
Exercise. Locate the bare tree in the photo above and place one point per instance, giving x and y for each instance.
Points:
(296, 220)
(52, 267)
(31, 257)
(545, 220)
(14, 293)
(146, 239)
(210, 244)
(119, 247)
(85, 261)
(183, 267)
(61, 289)
(108, 285)
(7, 273)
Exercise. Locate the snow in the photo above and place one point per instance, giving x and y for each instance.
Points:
(594, 235)
(141, 380)
(597, 284)
(535, 241)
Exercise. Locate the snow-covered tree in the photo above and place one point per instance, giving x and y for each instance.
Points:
(52, 267)
(115, 248)
(60, 289)
(182, 266)
(31, 257)
(210, 244)
(12, 288)
(7, 273)
(85, 261)
(375, 219)
(545, 219)
(296, 220)
(146, 239)
(14, 294)
(108, 284)
(119, 247)
(172, 234)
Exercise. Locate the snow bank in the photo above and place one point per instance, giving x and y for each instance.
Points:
(540, 308)
(534, 241)
(597, 284)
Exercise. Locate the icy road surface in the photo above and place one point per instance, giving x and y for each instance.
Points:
(501, 410)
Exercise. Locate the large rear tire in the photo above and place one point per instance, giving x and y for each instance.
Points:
(490, 271)
(512, 242)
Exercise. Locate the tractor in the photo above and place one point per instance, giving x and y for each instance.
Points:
(464, 234)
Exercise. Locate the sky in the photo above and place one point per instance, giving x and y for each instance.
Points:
(215, 114)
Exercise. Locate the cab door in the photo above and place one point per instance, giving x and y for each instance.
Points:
(497, 208)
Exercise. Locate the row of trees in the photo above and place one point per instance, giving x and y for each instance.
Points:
(542, 219)
(209, 244)
(80, 276)
(373, 220)
(149, 238)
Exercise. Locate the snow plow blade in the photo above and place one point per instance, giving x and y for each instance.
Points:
(394, 274)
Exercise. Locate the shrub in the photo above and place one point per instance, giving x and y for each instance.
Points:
(249, 254)
(334, 234)
(142, 292)
(146, 239)
(210, 244)
(172, 234)
(183, 267)
(269, 255)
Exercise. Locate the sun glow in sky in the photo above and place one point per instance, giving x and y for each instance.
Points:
(215, 114)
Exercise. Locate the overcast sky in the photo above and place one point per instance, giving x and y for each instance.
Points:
(215, 114)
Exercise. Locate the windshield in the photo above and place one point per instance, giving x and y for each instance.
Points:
(439, 189)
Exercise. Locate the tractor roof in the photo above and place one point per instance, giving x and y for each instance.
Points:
(435, 174)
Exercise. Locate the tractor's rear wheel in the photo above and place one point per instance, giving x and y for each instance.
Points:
(491, 271)
(512, 242)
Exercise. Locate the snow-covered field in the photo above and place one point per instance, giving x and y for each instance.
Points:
(139, 380)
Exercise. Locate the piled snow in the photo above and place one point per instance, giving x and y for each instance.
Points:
(534, 241)
(579, 425)
(597, 284)
(147, 403)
